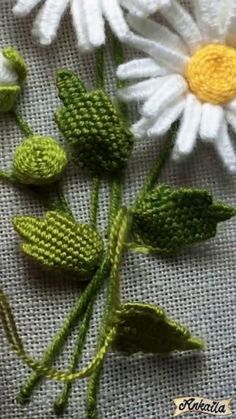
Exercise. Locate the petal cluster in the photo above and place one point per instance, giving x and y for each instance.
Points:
(165, 90)
(88, 17)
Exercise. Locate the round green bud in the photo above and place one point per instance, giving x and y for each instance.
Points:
(39, 160)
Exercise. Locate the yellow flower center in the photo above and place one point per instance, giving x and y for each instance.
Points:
(211, 74)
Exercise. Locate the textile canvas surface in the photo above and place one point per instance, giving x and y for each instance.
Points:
(197, 287)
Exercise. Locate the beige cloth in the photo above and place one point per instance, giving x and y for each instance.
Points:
(197, 288)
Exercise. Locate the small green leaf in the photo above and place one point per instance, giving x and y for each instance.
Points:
(70, 87)
(60, 244)
(98, 136)
(17, 62)
(9, 92)
(145, 328)
(167, 219)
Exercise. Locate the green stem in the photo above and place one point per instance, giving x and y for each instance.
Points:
(119, 58)
(112, 304)
(100, 55)
(63, 333)
(8, 177)
(22, 124)
(115, 199)
(94, 201)
(159, 164)
(62, 401)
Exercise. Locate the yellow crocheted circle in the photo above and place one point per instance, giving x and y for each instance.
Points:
(211, 74)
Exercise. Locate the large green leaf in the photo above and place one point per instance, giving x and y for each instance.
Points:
(145, 328)
(92, 126)
(60, 244)
(167, 219)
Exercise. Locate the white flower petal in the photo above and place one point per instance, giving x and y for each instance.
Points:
(167, 118)
(176, 61)
(131, 7)
(140, 68)
(212, 117)
(149, 7)
(24, 7)
(184, 24)
(79, 23)
(231, 119)
(114, 14)
(140, 91)
(7, 74)
(230, 27)
(141, 127)
(157, 32)
(188, 131)
(225, 149)
(208, 18)
(48, 20)
(231, 106)
(95, 22)
(171, 88)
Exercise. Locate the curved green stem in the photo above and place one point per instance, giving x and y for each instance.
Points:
(158, 166)
(61, 402)
(112, 304)
(23, 124)
(63, 333)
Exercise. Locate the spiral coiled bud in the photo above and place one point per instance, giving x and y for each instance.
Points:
(38, 161)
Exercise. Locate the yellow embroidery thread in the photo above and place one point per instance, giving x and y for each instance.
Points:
(211, 73)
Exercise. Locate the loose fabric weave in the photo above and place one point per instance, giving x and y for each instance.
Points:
(196, 288)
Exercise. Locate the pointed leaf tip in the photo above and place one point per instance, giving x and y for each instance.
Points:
(223, 212)
(70, 87)
(146, 328)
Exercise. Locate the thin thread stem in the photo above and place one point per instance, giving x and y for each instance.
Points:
(61, 402)
(158, 166)
(112, 304)
(50, 373)
(94, 201)
(119, 58)
(115, 199)
(63, 333)
(100, 55)
(23, 124)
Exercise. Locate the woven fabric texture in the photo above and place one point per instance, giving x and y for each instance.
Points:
(196, 288)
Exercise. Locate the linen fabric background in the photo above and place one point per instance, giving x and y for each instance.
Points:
(196, 287)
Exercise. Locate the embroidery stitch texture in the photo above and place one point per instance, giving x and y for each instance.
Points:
(88, 18)
(190, 76)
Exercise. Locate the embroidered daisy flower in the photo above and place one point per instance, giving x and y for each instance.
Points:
(190, 74)
(13, 72)
(88, 17)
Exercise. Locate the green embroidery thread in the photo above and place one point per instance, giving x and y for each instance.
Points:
(92, 126)
(10, 91)
(58, 243)
(39, 160)
(162, 220)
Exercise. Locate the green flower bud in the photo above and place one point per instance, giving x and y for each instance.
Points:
(39, 160)
(13, 73)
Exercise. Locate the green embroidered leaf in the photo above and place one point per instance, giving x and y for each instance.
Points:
(145, 328)
(167, 219)
(14, 63)
(17, 62)
(92, 126)
(60, 244)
